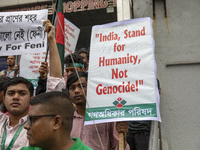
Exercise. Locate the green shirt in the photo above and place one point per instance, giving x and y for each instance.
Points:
(78, 145)
(30, 148)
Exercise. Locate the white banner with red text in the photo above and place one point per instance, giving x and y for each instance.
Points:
(71, 36)
(30, 64)
(122, 83)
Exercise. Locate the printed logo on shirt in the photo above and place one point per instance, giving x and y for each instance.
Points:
(119, 103)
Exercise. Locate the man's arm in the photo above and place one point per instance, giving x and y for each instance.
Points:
(55, 64)
(54, 81)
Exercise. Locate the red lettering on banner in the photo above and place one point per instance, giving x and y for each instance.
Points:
(31, 67)
(68, 50)
(119, 61)
(35, 71)
(36, 57)
(35, 62)
(101, 61)
(114, 89)
(68, 26)
(118, 88)
(97, 91)
(136, 85)
(130, 34)
(121, 74)
(104, 90)
(111, 36)
(69, 33)
(119, 47)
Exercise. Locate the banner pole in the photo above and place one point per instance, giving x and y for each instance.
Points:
(53, 19)
(121, 141)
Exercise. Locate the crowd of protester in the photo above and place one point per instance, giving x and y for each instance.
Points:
(53, 119)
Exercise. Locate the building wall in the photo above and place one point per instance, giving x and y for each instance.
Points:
(178, 68)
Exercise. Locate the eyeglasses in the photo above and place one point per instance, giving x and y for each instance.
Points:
(30, 118)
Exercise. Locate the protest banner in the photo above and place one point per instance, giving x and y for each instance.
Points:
(122, 81)
(22, 32)
(29, 66)
(71, 36)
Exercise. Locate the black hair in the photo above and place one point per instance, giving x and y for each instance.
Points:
(73, 77)
(76, 57)
(9, 55)
(3, 81)
(3, 108)
(18, 80)
(57, 103)
(83, 50)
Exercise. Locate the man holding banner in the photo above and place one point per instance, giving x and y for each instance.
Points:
(69, 68)
(106, 137)
(17, 96)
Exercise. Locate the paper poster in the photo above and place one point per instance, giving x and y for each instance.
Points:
(22, 32)
(122, 82)
(30, 64)
(71, 36)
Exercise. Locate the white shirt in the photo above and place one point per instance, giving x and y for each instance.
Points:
(21, 141)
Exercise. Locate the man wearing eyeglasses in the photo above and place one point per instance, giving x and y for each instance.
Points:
(50, 122)
(17, 96)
